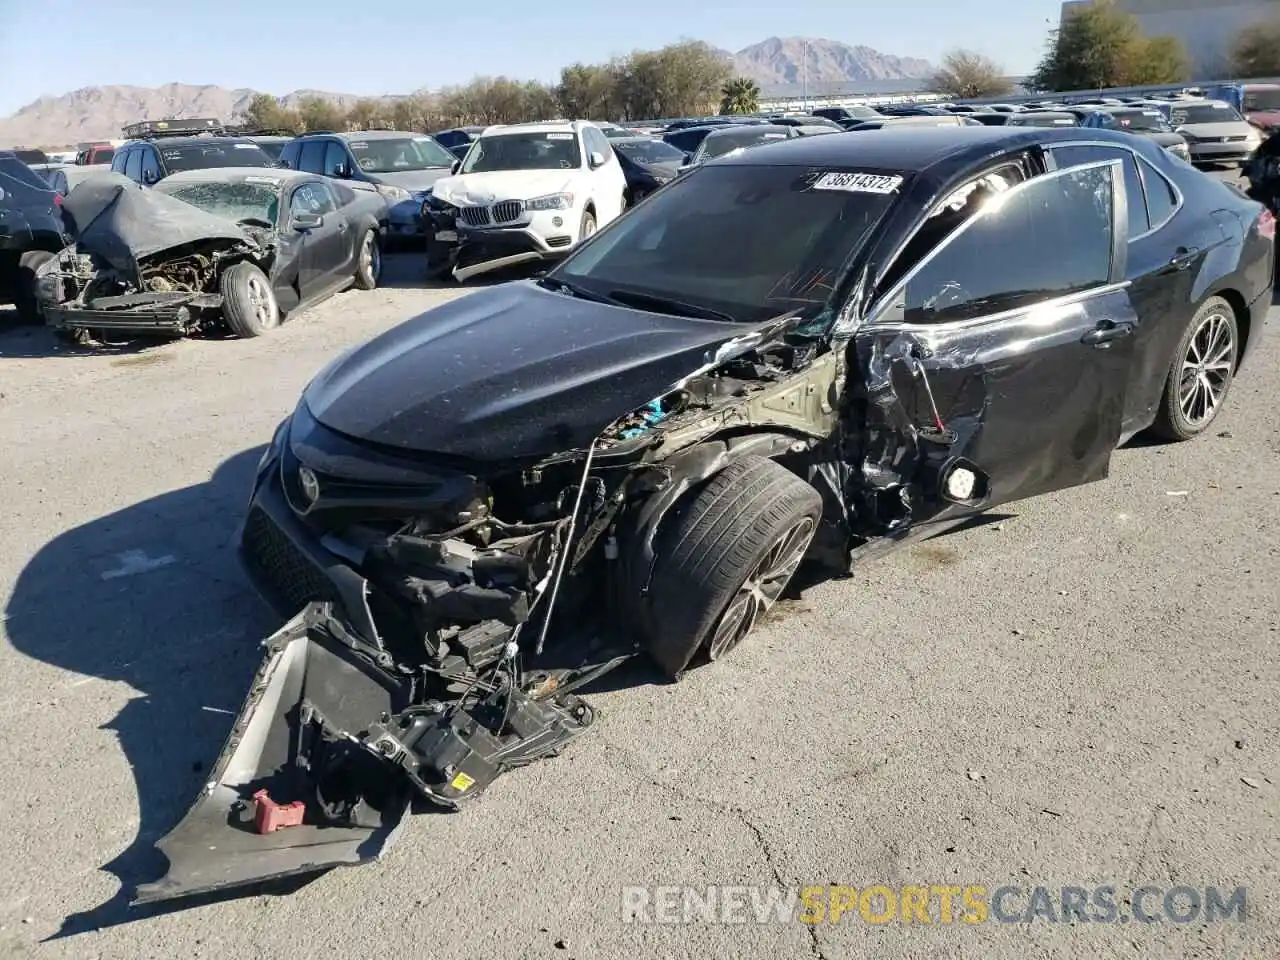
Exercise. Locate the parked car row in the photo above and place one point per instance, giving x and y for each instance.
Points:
(813, 348)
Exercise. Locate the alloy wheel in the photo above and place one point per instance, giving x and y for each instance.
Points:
(762, 588)
(262, 301)
(1206, 371)
(370, 258)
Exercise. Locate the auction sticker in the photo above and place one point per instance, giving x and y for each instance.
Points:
(858, 182)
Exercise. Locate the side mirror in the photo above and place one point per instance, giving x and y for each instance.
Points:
(306, 221)
(688, 159)
(341, 171)
(456, 166)
(596, 159)
(150, 177)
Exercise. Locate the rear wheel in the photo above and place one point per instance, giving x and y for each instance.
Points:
(1203, 368)
(248, 303)
(24, 294)
(725, 558)
(369, 262)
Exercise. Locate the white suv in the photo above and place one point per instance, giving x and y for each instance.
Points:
(530, 191)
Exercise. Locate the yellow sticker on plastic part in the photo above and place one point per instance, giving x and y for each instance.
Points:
(461, 781)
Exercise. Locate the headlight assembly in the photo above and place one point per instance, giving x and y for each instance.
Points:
(554, 201)
(393, 194)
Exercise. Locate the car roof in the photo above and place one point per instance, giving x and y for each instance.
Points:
(638, 139)
(194, 139)
(537, 126)
(755, 129)
(909, 149)
(377, 135)
(280, 175)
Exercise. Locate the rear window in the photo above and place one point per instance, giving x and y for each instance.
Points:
(203, 156)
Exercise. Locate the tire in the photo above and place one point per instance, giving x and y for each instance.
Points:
(1213, 329)
(753, 518)
(588, 225)
(248, 302)
(24, 294)
(369, 262)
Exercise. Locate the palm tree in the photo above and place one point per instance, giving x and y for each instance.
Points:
(740, 95)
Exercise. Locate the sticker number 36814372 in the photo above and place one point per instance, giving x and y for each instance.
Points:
(858, 182)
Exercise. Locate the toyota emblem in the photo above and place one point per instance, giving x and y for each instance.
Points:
(310, 484)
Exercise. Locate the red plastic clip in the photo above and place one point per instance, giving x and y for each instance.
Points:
(269, 816)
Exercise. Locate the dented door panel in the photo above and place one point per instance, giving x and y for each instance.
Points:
(1026, 397)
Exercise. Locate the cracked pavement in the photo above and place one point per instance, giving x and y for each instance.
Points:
(1081, 692)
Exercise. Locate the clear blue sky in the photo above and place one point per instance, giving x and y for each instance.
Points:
(394, 46)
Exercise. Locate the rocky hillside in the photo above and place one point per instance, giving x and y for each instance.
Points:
(98, 113)
(781, 61)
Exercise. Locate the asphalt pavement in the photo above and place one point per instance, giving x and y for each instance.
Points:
(1081, 692)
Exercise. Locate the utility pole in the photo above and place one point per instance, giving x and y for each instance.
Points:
(804, 74)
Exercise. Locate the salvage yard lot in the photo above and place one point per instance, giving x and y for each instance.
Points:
(1079, 692)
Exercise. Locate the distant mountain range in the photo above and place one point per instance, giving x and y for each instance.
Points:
(780, 65)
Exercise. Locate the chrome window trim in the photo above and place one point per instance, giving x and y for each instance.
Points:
(1119, 221)
(1181, 199)
(971, 322)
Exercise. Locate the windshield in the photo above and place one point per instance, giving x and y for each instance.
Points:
(1141, 120)
(235, 201)
(202, 156)
(555, 150)
(750, 242)
(718, 144)
(649, 151)
(1204, 113)
(398, 154)
(1262, 98)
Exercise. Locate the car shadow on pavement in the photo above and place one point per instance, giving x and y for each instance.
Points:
(151, 597)
(28, 342)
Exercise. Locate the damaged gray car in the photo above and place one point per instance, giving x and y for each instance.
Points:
(210, 249)
(814, 350)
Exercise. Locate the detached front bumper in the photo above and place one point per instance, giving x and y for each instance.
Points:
(161, 314)
(467, 249)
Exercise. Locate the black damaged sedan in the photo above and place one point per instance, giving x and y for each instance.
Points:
(814, 350)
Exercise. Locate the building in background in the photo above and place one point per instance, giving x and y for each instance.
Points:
(1208, 28)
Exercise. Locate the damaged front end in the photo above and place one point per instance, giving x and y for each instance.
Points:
(142, 262)
(171, 294)
(451, 616)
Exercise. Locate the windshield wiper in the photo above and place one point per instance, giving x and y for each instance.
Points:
(564, 286)
(256, 222)
(677, 308)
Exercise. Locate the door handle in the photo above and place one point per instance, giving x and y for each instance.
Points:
(1105, 332)
(1183, 257)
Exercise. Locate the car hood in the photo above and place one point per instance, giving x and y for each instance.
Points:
(111, 217)
(660, 169)
(1231, 128)
(510, 372)
(1163, 138)
(414, 181)
(481, 189)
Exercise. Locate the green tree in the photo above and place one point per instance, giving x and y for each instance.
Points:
(1256, 50)
(740, 95)
(967, 74)
(317, 113)
(1099, 45)
(586, 91)
(265, 112)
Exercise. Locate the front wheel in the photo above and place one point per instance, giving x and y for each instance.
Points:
(369, 262)
(24, 296)
(1200, 376)
(248, 302)
(724, 559)
(588, 225)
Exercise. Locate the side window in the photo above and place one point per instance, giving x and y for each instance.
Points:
(1135, 198)
(133, 167)
(597, 142)
(311, 198)
(119, 161)
(312, 160)
(1048, 238)
(1162, 199)
(289, 155)
(150, 165)
(335, 155)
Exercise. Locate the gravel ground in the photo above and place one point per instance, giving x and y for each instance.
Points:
(1081, 693)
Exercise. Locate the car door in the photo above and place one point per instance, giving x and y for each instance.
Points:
(313, 214)
(1162, 263)
(996, 368)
